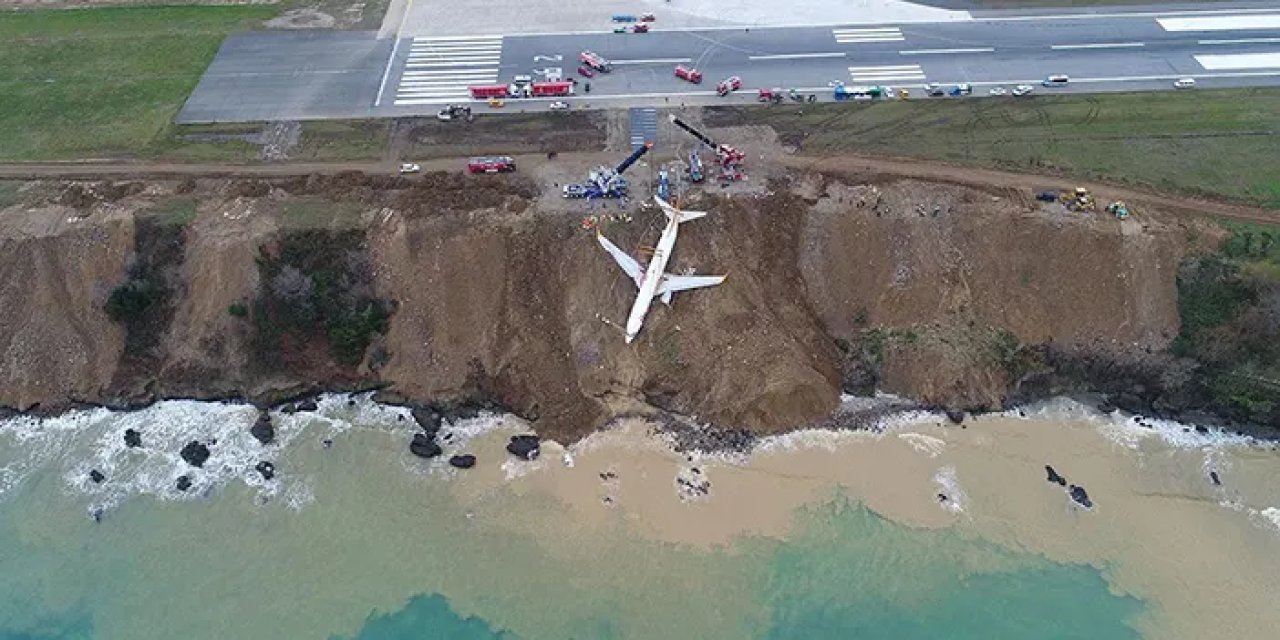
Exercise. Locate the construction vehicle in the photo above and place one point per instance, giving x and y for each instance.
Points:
(452, 111)
(664, 185)
(730, 159)
(688, 73)
(1118, 209)
(604, 182)
(491, 164)
(770, 95)
(1078, 200)
(595, 61)
(695, 167)
(728, 85)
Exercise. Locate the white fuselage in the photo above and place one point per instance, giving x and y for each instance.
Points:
(653, 275)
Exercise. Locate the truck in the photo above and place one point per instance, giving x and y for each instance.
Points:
(858, 93)
(595, 61)
(483, 91)
(688, 73)
(962, 89)
(491, 164)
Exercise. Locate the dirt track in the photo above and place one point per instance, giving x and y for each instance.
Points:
(865, 168)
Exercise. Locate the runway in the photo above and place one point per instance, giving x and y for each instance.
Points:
(1099, 52)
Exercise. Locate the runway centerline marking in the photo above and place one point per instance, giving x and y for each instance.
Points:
(652, 61)
(798, 56)
(1240, 41)
(1099, 45)
(925, 52)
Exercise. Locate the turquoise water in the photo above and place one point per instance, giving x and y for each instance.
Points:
(362, 542)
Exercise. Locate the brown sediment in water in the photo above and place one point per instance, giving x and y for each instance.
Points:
(1158, 531)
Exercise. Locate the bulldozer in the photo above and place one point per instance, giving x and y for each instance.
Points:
(1118, 209)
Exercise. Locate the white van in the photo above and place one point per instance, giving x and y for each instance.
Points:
(1184, 83)
(1055, 80)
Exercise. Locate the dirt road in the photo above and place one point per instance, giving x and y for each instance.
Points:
(869, 167)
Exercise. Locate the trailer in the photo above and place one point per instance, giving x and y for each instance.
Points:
(545, 89)
(488, 91)
(858, 93)
(695, 166)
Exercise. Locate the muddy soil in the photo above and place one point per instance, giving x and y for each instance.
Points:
(840, 279)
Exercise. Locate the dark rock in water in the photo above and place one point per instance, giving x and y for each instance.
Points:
(306, 405)
(1107, 407)
(427, 418)
(184, 483)
(1054, 477)
(351, 403)
(524, 446)
(424, 447)
(326, 443)
(96, 514)
(956, 416)
(267, 470)
(1213, 475)
(96, 476)
(1202, 429)
(132, 438)
(942, 497)
(1080, 496)
(195, 453)
(263, 430)
(464, 461)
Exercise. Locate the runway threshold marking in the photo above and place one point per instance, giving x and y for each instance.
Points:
(440, 69)
(1221, 23)
(798, 56)
(925, 52)
(887, 72)
(1099, 45)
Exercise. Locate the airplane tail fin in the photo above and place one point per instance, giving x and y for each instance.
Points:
(679, 215)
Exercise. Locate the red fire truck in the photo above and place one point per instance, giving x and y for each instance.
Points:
(688, 73)
(491, 164)
(595, 61)
(481, 92)
(542, 89)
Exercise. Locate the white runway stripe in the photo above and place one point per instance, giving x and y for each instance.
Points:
(882, 34)
(1221, 23)
(439, 70)
(1239, 61)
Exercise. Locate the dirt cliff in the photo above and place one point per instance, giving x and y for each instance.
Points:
(447, 288)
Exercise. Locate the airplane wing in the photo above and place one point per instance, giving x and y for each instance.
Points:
(671, 284)
(625, 261)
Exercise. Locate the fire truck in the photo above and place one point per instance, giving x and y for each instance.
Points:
(491, 164)
(595, 61)
(688, 73)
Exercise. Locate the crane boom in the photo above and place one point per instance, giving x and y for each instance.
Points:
(631, 159)
(695, 133)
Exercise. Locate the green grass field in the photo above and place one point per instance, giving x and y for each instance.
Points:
(104, 82)
(1216, 143)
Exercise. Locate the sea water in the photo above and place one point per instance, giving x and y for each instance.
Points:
(813, 535)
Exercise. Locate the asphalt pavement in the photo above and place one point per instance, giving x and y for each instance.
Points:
(263, 76)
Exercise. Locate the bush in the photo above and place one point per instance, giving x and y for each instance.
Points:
(131, 299)
(238, 309)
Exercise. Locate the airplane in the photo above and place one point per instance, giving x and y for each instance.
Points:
(652, 281)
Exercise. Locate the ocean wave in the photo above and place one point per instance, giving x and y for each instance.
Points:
(949, 486)
(1130, 430)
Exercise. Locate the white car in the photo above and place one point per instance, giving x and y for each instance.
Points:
(408, 167)
(559, 105)
(998, 91)
(1184, 83)
(1023, 90)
